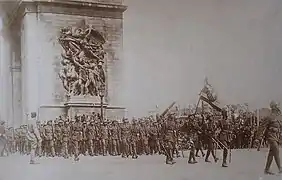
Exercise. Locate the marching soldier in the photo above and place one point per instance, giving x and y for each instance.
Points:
(11, 140)
(77, 137)
(115, 133)
(40, 146)
(200, 138)
(154, 144)
(49, 139)
(224, 137)
(33, 136)
(84, 143)
(134, 137)
(168, 131)
(193, 133)
(3, 138)
(65, 139)
(125, 135)
(104, 138)
(144, 137)
(90, 134)
(271, 128)
(58, 137)
(210, 129)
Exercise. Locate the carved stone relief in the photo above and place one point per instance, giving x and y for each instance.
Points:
(83, 61)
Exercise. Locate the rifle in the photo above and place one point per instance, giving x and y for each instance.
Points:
(167, 109)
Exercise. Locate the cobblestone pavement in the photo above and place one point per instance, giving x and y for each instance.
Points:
(245, 165)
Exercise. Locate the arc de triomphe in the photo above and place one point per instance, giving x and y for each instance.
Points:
(58, 56)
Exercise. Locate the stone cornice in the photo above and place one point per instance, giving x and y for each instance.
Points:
(79, 4)
(63, 7)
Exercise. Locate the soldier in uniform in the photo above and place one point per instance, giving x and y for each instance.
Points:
(200, 136)
(271, 128)
(25, 140)
(77, 137)
(11, 140)
(90, 134)
(115, 133)
(125, 135)
(104, 138)
(3, 138)
(134, 137)
(18, 139)
(209, 130)
(84, 143)
(49, 138)
(194, 131)
(58, 137)
(33, 137)
(224, 137)
(153, 131)
(40, 144)
(144, 137)
(96, 140)
(168, 132)
(65, 139)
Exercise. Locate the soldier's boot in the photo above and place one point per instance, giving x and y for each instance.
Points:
(194, 158)
(134, 153)
(32, 157)
(159, 148)
(105, 152)
(203, 154)
(52, 151)
(91, 150)
(197, 152)
(147, 150)
(65, 152)
(115, 150)
(118, 148)
(169, 160)
(225, 153)
(171, 156)
(207, 156)
(76, 158)
(40, 151)
(268, 172)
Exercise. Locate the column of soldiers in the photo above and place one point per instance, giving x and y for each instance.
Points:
(169, 135)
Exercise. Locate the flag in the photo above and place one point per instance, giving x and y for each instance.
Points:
(205, 97)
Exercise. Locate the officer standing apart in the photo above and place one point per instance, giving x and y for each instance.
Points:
(271, 128)
(33, 136)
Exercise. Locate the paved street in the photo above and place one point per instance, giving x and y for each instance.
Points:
(246, 165)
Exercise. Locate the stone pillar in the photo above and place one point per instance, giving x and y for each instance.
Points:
(6, 80)
(31, 51)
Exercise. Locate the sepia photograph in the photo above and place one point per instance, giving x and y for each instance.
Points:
(140, 89)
